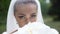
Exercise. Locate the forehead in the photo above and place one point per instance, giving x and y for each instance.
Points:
(26, 8)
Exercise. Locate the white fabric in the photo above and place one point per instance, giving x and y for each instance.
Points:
(4, 33)
(12, 23)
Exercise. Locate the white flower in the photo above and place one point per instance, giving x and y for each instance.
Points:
(30, 28)
(36, 28)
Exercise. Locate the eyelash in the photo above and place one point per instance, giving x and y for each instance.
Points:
(21, 17)
(32, 16)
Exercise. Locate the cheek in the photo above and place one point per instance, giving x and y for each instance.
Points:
(33, 20)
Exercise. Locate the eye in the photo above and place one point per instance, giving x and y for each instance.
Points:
(21, 17)
(33, 16)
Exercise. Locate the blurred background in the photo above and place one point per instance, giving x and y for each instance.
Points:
(50, 11)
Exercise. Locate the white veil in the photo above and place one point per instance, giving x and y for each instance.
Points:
(11, 21)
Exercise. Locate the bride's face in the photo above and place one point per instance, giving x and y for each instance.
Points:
(25, 13)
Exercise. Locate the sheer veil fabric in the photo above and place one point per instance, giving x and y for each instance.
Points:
(11, 21)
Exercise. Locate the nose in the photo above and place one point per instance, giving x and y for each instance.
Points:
(27, 19)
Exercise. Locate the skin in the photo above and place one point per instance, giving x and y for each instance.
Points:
(25, 13)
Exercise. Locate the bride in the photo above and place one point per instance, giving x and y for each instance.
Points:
(24, 17)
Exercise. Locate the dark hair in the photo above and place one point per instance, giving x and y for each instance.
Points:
(24, 2)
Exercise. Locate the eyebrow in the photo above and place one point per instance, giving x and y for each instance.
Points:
(34, 13)
(25, 15)
(21, 14)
